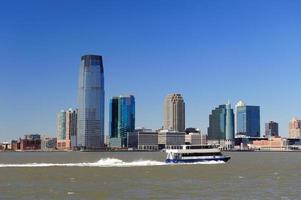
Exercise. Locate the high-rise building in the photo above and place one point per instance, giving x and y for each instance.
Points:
(271, 129)
(71, 127)
(66, 129)
(122, 119)
(61, 125)
(90, 131)
(221, 124)
(294, 128)
(247, 120)
(174, 113)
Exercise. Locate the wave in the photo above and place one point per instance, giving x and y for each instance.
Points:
(107, 162)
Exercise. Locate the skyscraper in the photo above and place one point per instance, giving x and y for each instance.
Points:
(221, 123)
(61, 125)
(229, 122)
(174, 113)
(271, 129)
(247, 120)
(71, 126)
(122, 119)
(91, 103)
(294, 128)
(66, 129)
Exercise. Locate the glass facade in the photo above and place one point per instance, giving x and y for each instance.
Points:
(221, 123)
(113, 129)
(248, 120)
(61, 125)
(122, 119)
(91, 103)
(71, 126)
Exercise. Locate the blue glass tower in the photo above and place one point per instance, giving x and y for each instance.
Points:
(122, 119)
(221, 123)
(91, 103)
(248, 120)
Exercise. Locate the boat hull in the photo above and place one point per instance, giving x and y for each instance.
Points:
(198, 160)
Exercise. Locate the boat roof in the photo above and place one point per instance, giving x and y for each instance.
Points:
(214, 150)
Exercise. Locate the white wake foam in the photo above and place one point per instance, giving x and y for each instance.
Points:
(107, 162)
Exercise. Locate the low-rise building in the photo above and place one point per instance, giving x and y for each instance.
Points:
(6, 146)
(195, 138)
(273, 143)
(143, 139)
(30, 142)
(15, 145)
(48, 143)
(170, 139)
(63, 144)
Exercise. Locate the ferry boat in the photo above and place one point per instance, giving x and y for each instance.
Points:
(195, 153)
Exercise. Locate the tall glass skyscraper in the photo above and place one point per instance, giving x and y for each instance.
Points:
(91, 103)
(247, 120)
(122, 119)
(221, 123)
(61, 125)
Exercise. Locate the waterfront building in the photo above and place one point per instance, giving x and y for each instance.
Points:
(221, 126)
(143, 139)
(271, 129)
(90, 124)
(170, 139)
(195, 139)
(6, 146)
(48, 143)
(30, 142)
(271, 144)
(71, 127)
(66, 129)
(294, 128)
(247, 120)
(15, 145)
(174, 113)
(122, 120)
(61, 125)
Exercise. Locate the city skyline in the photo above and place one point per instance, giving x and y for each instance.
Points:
(216, 52)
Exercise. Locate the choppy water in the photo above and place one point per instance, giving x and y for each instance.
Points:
(81, 175)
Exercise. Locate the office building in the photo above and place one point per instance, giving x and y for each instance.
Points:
(122, 120)
(294, 128)
(174, 113)
(48, 143)
(30, 142)
(271, 129)
(195, 137)
(247, 120)
(170, 139)
(221, 123)
(221, 126)
(71, 127)
(143, 139)
(66, 129)
(90, 124)
(61, 125)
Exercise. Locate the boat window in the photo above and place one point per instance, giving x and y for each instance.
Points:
(201, 154)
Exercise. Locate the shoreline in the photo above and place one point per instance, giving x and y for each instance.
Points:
(128, 151)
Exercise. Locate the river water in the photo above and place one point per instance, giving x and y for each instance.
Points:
(137, 175)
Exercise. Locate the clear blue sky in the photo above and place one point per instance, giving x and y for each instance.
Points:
(210, 51)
